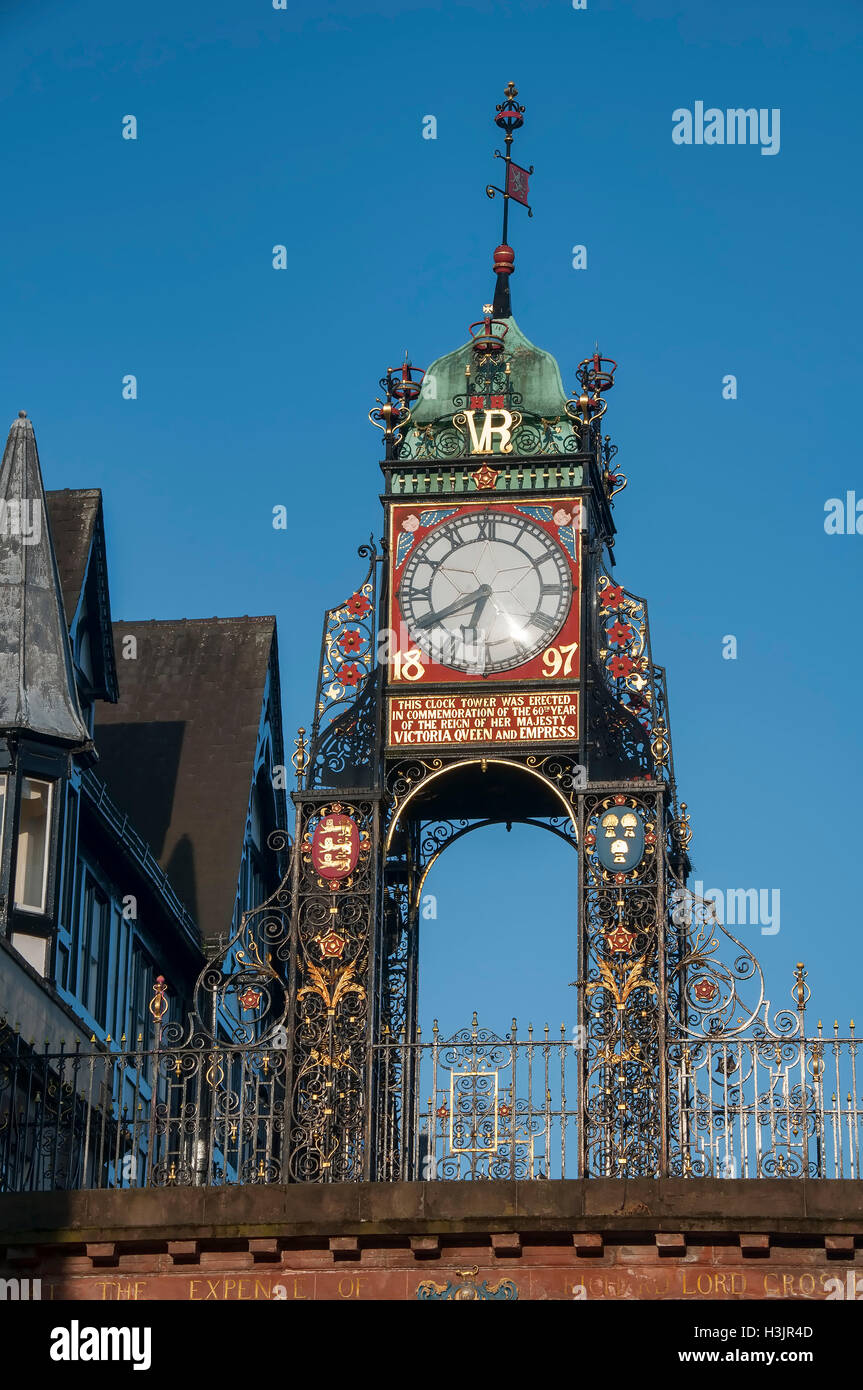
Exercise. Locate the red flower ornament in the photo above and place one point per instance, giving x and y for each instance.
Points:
(620, 666)
(358, 605)
(705, 991)
(332, 945)
(619, 633)
(349, 674)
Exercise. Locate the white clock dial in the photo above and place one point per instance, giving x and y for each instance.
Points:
(485, 591)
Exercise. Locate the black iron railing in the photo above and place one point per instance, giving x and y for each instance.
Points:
(472, 1106)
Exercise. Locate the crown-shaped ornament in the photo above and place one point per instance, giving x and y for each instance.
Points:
(488, 333)
(509, 115)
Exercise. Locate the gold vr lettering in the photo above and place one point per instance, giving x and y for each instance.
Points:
(482, 444)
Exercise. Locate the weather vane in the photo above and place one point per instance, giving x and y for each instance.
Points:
(509, 117)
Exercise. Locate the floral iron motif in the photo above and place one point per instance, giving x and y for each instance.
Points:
(341, 747)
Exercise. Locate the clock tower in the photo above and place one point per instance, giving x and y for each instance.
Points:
(489, 667)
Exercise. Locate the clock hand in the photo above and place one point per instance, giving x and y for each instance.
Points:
(480, 605)
(480, 594)
(515, 569)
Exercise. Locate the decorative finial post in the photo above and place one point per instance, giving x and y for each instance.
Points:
(682, 828)
(801, 991)
(401, 386)
(596, 377)
(509, 117)
(158, 1007)
(300, 758)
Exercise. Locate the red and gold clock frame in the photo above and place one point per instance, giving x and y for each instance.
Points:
(484, 592)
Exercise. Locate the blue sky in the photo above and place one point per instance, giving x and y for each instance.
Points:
(304, 127)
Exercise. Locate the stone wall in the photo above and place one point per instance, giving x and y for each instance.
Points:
(600, 1239)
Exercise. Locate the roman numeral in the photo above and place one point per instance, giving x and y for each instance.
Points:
(543, 620)
(487, 528)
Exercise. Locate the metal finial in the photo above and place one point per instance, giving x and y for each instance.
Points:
(158, 1005)
(682, 828)
(801, 991)
(509, 116)
(300, 758)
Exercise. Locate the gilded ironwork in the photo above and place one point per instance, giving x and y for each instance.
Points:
(330, 1017)
(401, 386)
(343, 741)
(620, 981)
(241, 994)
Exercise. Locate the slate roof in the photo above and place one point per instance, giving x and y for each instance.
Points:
(37, 687)
(78, 532)
(177, 751)
(73, 514)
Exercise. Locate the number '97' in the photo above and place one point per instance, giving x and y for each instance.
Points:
(558, 660)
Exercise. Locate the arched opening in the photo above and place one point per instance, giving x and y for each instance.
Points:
(498, 932)
(481, 788)
(480, 930)
(448, 811)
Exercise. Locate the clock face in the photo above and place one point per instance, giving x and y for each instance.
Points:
(485, 592)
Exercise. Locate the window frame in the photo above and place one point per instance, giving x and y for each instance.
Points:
(43, 910)
(96, 965)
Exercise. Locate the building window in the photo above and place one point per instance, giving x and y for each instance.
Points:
(70, 859)
(256, 819)
(31, 870)
(2, 804)
(95, 950)
(84, 657)
(62, 965)
(143, 975)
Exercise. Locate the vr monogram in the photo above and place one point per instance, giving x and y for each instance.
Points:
(497, 422)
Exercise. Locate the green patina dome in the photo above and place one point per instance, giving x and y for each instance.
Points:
(532, 387)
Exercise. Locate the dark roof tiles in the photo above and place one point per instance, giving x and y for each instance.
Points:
(73, 513)
(177, 751)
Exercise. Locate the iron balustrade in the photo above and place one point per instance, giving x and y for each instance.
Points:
(163, 1116)
(766, 1107)
(472, 1106)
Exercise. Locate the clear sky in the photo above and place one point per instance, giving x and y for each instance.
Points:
(303, 127)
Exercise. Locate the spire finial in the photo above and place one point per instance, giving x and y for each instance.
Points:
(38, 694)
(509, 117)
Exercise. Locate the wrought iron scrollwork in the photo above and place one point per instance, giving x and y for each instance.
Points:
(329, 1028)
(622, 983)
(632, 735)
(241, 995)
(343, 746)
(716, 998)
